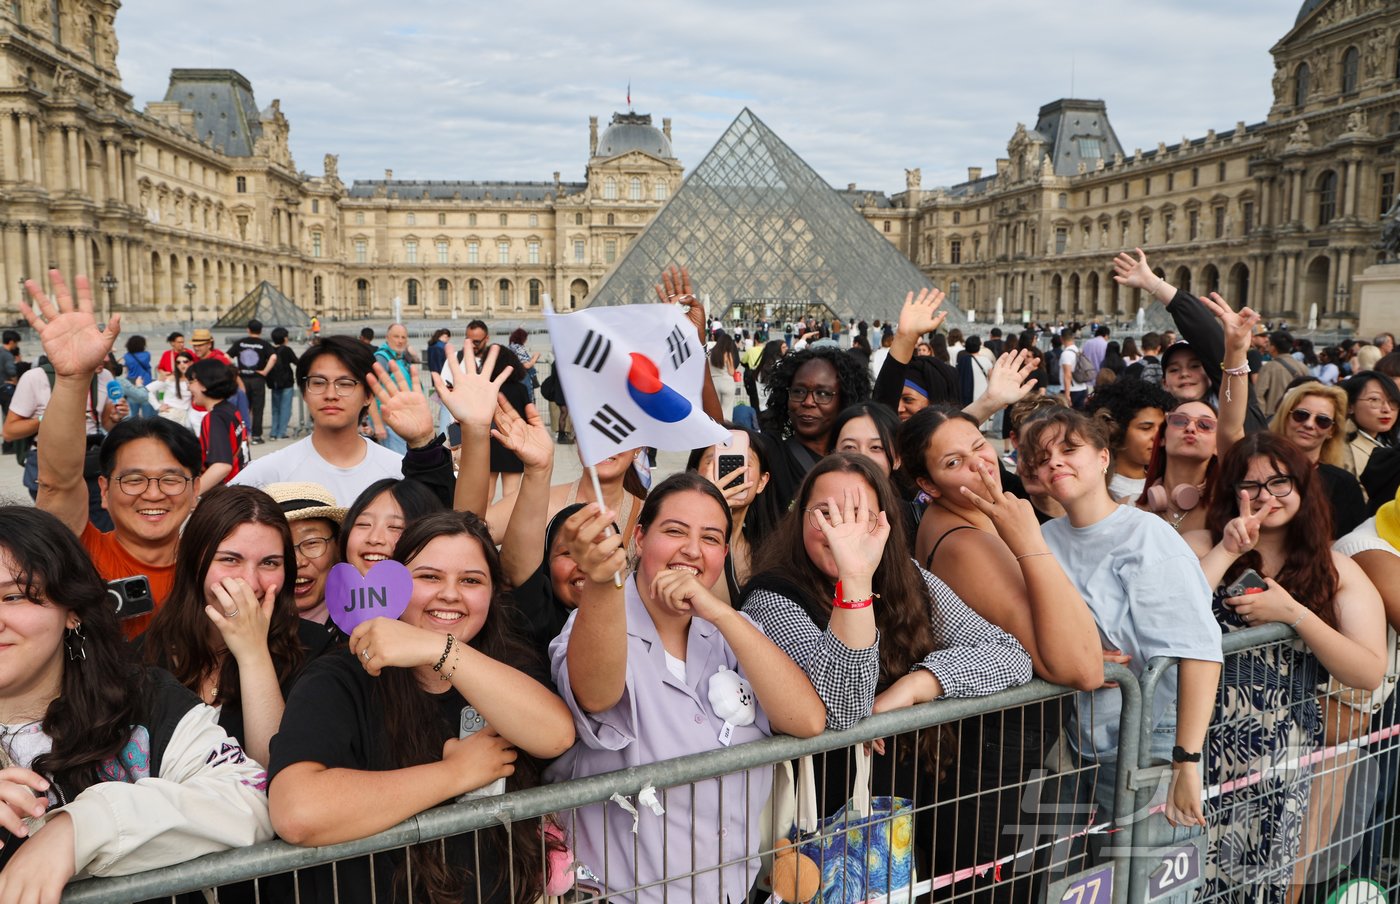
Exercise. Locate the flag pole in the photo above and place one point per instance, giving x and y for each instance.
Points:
(598, 495)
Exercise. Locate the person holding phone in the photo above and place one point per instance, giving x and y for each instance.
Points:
(741, 472)
(1268, 526)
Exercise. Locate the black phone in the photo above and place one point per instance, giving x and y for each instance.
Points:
(1249, 582)
(728, 464)
(131, 596)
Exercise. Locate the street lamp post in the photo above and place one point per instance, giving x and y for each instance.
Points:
(109, 282)
(190, 288)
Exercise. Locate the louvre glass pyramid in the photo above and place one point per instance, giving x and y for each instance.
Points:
(764, 236)
(267, 304)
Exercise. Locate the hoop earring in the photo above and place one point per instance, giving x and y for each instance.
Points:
(74, 643)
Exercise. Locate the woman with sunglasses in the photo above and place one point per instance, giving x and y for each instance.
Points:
(1312, 415)
(1375, 418)
(1270, 515)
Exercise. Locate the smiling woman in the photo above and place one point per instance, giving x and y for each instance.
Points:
(388, 727)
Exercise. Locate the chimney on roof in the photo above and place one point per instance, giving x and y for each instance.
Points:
(666, 127)
(974, 173)
(592, 136)
(850, 186)
(388, 175)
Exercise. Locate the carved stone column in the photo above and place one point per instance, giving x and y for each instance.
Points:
(9, 148)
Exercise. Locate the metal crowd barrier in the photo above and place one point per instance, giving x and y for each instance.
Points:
(1001, 817)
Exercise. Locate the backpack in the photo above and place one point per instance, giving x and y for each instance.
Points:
(1084, 370)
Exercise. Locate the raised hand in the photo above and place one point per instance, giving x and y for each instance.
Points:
(1242, 533)
(1013, 518)
(402, 405)
(1238, 328)
(73, 343)
(1133, 272)
(1009, 381)
(472, 398)
(855, 533)
(920, 314)
(676, 288)
(241, 618)
(526, 436)
(593, 543)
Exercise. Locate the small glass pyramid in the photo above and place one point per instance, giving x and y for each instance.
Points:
(267, 304)
(765, 237)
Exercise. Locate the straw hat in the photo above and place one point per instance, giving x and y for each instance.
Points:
(201, 335)
(301, 501)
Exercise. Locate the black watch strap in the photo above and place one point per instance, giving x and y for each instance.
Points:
(1179, 755)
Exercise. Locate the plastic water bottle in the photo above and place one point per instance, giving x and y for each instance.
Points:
(115, 393)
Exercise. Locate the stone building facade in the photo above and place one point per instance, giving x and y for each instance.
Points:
(1281, 214)
(190, 203)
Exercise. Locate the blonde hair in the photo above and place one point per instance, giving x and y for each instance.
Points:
(1333, 446)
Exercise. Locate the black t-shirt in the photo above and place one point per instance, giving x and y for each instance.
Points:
(281, 376)
(221, 436)
(250, 355)
(335, 717)
(1344, 494)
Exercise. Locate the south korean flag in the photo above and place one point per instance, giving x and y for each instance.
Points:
(632, 376)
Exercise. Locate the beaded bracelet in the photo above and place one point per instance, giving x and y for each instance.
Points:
(1299, 620)
(447, 676)
(445, 651)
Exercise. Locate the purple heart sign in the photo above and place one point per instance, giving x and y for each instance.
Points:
(381, 593)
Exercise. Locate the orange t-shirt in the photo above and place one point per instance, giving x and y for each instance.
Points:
(114, 562)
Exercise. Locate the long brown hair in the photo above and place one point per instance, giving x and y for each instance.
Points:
(902, 614)
(1307, 573)
(408, 710)
(180, 635)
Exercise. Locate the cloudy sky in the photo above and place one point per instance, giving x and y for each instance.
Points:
(451, 90)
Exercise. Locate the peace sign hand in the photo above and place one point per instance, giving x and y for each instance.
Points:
(921, 315)
(73, 343)
(1013, 518)
(1238, 327)
(855, 533)
(1242, 533)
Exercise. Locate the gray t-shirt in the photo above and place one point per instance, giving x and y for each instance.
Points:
(1149, 598)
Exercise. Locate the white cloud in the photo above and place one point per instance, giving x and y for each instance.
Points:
(441, 90)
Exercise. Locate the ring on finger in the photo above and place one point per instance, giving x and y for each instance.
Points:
(364, 654)
(233, 614)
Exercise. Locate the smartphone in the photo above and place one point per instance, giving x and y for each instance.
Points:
(472, 722)
(131, 596)
(1249, 582)
(734, 457)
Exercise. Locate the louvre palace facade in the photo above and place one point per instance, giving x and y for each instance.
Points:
(191, 202)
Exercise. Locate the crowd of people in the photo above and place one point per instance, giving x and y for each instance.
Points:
(832, 561)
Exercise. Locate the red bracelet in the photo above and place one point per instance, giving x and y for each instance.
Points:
(839, 603)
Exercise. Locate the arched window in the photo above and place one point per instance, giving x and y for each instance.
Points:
(1326, 198)
(362, 293)
(610, 189)
(1302, 79)
(444, 293)
(634, 189)
(612, 221)
(535, 289)
(503, 294)
(1351, 64)
(413, 293)
(474, 294)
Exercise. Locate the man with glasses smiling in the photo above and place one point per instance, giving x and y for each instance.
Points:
(147, 466)
(332, 377)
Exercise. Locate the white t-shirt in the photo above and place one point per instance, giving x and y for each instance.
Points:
(32, 396)
(1068, 358)
(1149, 598)
(1131, 487)
(301, 462)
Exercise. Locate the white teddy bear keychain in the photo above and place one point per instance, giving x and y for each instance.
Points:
(732, 700)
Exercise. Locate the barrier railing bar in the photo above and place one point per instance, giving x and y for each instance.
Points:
(274, 857)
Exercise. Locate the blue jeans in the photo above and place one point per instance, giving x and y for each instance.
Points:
(281, 411)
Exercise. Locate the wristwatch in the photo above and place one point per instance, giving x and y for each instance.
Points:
(1179, 755)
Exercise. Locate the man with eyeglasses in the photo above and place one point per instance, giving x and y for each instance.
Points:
(147, 466)
(332, 378)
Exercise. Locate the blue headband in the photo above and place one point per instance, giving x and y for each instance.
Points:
(910, 384)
